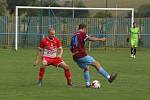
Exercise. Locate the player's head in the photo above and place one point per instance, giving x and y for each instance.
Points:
(51, 33)
(82, 27)
(135, 24)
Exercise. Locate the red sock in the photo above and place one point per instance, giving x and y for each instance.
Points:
(41, 73)
(68, 76)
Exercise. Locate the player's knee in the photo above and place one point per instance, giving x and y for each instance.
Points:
(44, 62)
(66, 66)
(86, 69)
(96, 64)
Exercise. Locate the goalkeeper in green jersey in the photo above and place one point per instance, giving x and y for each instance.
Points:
(134, 34)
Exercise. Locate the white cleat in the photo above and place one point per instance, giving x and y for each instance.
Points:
(132, 56)
(40, 83)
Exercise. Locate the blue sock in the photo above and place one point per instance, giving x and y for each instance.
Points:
(87, 77)
(103, 72)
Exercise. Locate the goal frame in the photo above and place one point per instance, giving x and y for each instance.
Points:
(65, 8)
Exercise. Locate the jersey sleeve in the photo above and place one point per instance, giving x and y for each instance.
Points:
(85, 36)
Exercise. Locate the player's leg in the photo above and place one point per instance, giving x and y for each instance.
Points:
(41, 74)
(102, 71)
(60, 63)
(44, 63)
(134, 52)
(66, 72)
(90, 60)
(132, 48)
(86, 73)
(135, 46)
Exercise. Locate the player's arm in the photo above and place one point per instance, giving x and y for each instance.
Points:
(95, 39)
(38, 55)
(60, 52)
(59, 48)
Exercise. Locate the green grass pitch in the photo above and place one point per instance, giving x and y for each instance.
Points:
(18, 77)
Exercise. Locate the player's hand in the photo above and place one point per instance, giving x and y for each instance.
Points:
(35, 63)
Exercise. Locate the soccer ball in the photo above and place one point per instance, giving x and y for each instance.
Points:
(96, 84)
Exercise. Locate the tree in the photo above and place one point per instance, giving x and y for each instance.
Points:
(102, 14)
(77, 13)
(68, 13)
(13, 3)
(142, 11)
(3, 7)
(51, 3)
(81, 13)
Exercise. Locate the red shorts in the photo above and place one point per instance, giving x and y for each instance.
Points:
(53, 61)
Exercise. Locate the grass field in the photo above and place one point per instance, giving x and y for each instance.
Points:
(18, 77)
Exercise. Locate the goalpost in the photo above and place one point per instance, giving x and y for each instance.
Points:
(66, 8)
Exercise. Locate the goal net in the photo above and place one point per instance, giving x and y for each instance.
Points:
(31, 28)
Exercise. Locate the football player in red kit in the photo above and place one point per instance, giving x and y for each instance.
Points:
(51, 49)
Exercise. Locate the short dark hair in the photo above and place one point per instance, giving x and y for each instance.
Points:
(82, 26)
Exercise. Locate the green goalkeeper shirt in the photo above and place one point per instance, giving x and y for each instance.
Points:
(134, 33)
